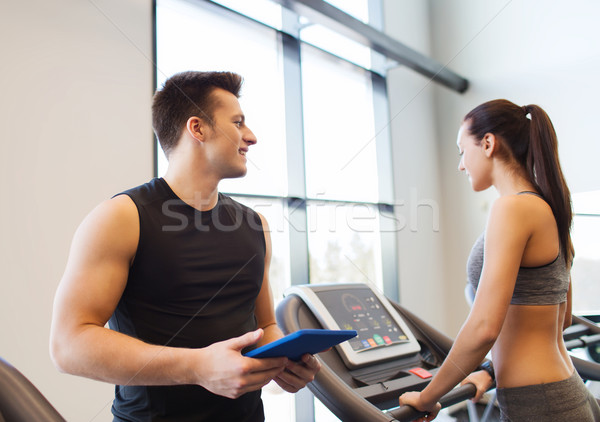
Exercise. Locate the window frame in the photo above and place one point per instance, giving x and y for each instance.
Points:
(296, 198)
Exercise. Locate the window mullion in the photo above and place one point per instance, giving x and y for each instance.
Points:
(388, 231)
(296, 164)
(295, 160)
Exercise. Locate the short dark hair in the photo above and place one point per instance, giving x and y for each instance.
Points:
(185, 95)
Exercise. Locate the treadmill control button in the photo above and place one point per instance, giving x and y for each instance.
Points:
(421, 373)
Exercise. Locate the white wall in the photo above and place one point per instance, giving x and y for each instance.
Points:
(416, 159)
(528, 51)
(76, 86)
(545, 52)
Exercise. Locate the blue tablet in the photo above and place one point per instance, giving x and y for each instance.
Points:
(296, 344)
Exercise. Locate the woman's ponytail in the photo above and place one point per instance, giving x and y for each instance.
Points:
(543, 167)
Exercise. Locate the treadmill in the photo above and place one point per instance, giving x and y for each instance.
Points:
(395, 351)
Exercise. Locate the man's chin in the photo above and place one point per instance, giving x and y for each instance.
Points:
(236, 175)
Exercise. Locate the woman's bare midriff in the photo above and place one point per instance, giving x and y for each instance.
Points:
(530, 348)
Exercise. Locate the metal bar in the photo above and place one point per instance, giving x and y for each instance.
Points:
(296, 166)
(299, 261)
(383, 143)
(389, 252)
(387, 223)
(323, 13)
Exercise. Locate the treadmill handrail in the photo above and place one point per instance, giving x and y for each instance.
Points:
(586, 369)
(408, 413)
(326, 377)
(594, 328)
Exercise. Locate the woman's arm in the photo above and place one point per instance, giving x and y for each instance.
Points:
(569, 308)
(506, 236)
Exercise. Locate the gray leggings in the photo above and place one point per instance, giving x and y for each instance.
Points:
(561, 401)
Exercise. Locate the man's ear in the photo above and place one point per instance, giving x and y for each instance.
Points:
(489, 144)
(196, 128)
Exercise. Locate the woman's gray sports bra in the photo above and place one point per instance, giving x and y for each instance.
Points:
(544, 285)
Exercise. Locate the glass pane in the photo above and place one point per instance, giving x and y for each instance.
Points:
(344, 244)
(223, 40)
(339, 129)
(334, 43)
(279, 405)
(264, 11)
(274, 212)
(356, 8)
(586, 202)
(323, 414)
(586, 265)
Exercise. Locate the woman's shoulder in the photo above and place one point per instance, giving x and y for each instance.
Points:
(521, 203)
(524, 211)
(509, 205)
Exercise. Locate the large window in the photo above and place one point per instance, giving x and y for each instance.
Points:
(321, 171)
(190, 37)
(586, 265)
(338, 129)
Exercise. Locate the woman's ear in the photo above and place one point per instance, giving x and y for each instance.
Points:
(196, 128)
(489, 144)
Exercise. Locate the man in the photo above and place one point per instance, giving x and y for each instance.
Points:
(181, 272)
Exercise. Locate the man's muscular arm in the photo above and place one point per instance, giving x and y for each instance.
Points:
(96, 275)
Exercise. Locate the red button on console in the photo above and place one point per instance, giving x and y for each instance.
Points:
(421, 373)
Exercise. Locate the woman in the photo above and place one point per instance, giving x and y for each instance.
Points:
(520, 269)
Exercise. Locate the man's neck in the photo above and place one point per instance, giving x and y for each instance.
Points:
(192, 186)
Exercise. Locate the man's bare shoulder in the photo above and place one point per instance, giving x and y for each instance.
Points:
(118, 210)
(113, 224)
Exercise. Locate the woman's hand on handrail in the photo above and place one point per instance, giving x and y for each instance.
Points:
(413, 399)
(481, 380)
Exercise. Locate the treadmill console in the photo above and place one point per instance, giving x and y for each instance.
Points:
(382, 334)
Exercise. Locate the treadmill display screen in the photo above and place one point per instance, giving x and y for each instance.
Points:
(361, 310)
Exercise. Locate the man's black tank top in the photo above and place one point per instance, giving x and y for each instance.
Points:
(193, 282)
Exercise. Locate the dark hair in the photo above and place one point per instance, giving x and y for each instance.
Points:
(185, 95)
(531, 144)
